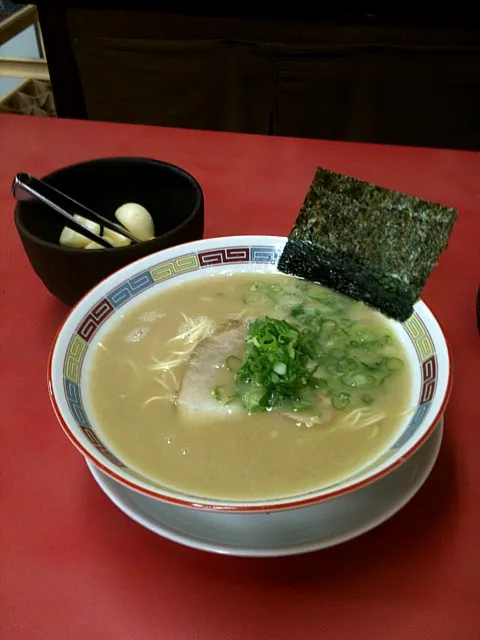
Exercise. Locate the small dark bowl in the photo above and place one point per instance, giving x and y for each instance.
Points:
(171, 195)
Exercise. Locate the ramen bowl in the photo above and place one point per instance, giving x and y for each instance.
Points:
(101, 309)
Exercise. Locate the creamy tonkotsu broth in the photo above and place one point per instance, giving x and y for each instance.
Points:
(249, 387)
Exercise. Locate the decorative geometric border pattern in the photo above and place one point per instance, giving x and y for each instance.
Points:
(168, 269)
(425, 348)
(130, 288)
(266, 255)
(98, 444)
(420, 337)
(228, 255)
(429, 377)
(94, 319)
(415, 422)
(74, 358)
(171, 268)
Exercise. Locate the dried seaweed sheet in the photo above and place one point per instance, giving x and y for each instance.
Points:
(368, 242)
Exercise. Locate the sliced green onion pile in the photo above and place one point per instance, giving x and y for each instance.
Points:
(318, 349)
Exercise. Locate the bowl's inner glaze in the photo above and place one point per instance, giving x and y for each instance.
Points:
(72, 354)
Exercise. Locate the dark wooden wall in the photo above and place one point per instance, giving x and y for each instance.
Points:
(366, 78)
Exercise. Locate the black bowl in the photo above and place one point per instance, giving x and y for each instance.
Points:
(171, 195)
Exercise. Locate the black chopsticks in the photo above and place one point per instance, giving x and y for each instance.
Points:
(26, 187)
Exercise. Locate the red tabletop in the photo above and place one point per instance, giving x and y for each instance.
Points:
(73, 566)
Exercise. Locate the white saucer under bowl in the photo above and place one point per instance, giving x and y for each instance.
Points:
(303, 529)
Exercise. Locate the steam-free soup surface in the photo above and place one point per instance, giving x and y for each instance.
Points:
(173, 393)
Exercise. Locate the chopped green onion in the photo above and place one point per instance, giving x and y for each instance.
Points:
(297, 312)
(261, 292)
(394, 364)
(318, 383)
(252, 399)
(256, 297)
(302, 285)
(277, 359)
(280, 368)
(217, 393)
(231, 400)
(346, 365)
(358, 380)
(375, 367)
(336, 353)
(319, 349)
(233, 363)
(328, 328)
(301, 406)
(341, 400)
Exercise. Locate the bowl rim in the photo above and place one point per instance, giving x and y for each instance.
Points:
(280, 504)
(199, 201)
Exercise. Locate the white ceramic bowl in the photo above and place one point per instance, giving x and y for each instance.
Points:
(100, 309)
(280, 533)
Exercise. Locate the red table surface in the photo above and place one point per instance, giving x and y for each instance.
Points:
(73, 566)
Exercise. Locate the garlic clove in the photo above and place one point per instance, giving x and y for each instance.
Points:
(93, 226)
(93, 245)
(117, 238)
(74, 239)
(136, 219)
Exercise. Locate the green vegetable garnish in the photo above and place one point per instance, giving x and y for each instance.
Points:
(218, 394)
(358, 380)
(321, 351)
(394, 364)
(233, 363)
(341, 400)
(275, 372)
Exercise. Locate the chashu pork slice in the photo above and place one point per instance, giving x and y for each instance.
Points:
(194, 397)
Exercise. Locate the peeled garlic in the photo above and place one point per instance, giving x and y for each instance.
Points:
(132, 216)
(93, 245)
(117, 238)
(70, 238)
(136, 219)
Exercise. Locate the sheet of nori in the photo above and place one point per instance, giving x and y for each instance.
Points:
(368, 242)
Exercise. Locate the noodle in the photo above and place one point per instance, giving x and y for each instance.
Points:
(363, 417)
